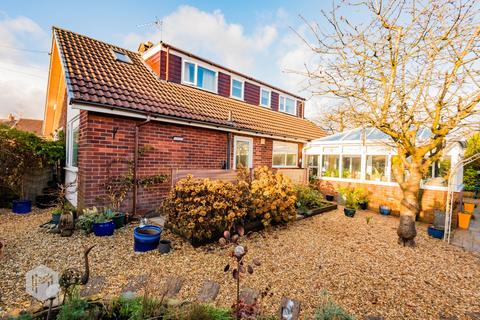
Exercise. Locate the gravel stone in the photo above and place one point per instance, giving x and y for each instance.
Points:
(359, 265)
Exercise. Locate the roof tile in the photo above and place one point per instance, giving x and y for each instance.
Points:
(95, 76)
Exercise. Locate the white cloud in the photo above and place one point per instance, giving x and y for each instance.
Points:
(208, 34)
(23, 76)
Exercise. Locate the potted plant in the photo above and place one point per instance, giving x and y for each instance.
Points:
(385, 209)
(100, 222)
(350, 196)
(116, 190)
(469, 207)
(363, 199)
(464, 220)
(309, 200)
(85, 221)
(56, 213)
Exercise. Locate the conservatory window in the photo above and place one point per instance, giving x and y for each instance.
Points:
(72, 142)
(376, 168)
(351, 167)
(330, 165)
(285, 154)
(312, 167)
(438, 172)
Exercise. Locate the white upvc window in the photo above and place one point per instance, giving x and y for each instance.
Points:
(265, 97)
(284, 155)
(72, 143)
(287, 105)
(199, 76)
(243, 152)
(237, 89)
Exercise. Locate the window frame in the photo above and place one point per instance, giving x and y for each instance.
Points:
(269, 105)
(194, 83)
(250, 150)
(231, 89)
(285, 98)
(195, 77)
(69, 143)
(286, 154)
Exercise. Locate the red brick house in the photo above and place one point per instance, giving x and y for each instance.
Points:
(163, 109)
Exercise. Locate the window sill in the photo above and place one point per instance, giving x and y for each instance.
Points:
(200, 88)
(237, 98)
(286, 167)
(292, 114)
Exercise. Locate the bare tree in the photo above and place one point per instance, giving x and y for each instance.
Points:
(406, 66)
(336, 119)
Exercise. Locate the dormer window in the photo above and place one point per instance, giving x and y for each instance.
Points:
(265, 98)
(199, 76)
(122, 57)
(237, 89)
(287, 105)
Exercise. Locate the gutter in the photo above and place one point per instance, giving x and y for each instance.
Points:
(118, 111)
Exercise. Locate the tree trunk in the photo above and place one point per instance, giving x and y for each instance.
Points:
(409, 208)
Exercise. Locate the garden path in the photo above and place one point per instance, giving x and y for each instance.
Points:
(469, 239)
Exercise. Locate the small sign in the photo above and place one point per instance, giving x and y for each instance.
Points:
(38, 280)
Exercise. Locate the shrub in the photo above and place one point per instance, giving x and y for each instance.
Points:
(22, 151)
(273, 197)
(351, 196)
(329, 310)
(76, 309)
(201, 209)
(198, 312)
(308, 198)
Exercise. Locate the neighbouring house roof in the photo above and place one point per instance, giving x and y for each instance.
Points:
(30, 125)
(95, 77)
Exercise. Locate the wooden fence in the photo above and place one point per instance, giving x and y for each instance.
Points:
(297, 175)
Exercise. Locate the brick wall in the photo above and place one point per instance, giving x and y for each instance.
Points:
(392, 195)
(106, 147)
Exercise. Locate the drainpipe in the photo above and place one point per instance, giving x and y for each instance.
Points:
(135, 164)
(229, 141)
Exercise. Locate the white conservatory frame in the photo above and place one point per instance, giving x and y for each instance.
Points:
(370, 141)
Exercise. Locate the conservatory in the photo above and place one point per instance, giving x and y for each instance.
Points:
(364, 155)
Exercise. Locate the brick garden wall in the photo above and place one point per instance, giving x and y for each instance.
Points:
(392, 195)
(106, 146)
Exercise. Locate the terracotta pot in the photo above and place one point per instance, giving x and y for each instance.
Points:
(469, 207)
(464, 220)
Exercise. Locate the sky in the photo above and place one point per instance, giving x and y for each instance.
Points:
(253, 37)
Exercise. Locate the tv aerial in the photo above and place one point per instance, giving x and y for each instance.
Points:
(157, 24)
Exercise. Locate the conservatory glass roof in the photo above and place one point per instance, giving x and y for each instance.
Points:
(368, 133)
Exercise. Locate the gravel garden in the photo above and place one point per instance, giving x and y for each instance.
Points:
(356, 261)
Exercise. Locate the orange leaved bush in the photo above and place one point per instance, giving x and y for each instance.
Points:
(201, 209)
(273, 197)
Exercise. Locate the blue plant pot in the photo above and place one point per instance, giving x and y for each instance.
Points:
(21, 206)
(56, 218)
(349, 212)
(384, 210)
(435, 233)
(146, 238)
(103, 229)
